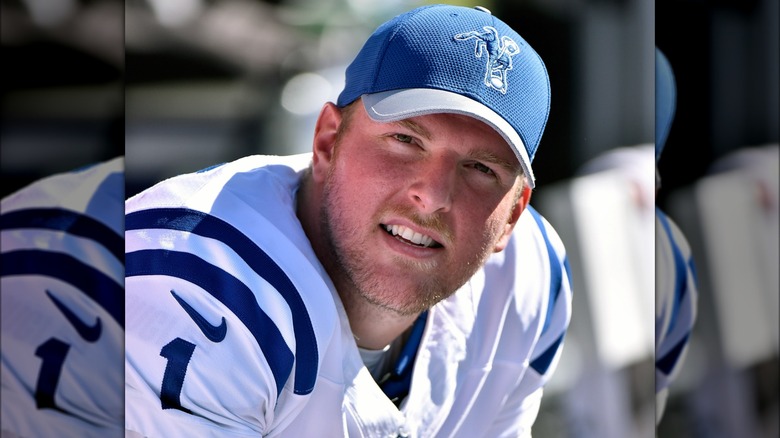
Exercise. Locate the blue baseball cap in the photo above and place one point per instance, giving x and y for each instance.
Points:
(454, 59)
(665, 100)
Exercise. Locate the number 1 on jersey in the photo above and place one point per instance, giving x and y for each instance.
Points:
(52, 354)
(178, 352)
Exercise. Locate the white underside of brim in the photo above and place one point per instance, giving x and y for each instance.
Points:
(390, 106)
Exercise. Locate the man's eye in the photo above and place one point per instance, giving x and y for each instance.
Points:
(482, 168)
(403, 138)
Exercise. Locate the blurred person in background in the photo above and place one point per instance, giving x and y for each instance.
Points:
(393, 282)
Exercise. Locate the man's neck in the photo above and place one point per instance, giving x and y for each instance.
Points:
(374, 327)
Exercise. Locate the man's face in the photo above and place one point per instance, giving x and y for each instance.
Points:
(412, 209)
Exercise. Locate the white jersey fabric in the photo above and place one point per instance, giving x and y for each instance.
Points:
(676, 303)
(63, 305)
(235, 329)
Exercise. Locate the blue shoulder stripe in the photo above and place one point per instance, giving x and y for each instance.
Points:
(205, 225)
(542, 362)
(68, 221)
(666, 364)
(104, 291)
(234, 294)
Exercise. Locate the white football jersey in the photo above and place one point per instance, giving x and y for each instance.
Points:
(62, 305)
(234, 328)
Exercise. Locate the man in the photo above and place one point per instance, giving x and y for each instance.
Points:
(394, 282)
(676, 289)
(62, 305)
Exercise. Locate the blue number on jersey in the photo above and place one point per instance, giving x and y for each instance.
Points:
(52, 354)
(178, 352)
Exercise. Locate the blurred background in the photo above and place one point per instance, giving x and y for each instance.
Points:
(62, 101)
(179, 85)
(719, 173)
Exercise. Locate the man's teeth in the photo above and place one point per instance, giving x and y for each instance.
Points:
(410, 235)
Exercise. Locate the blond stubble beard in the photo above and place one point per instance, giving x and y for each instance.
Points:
(356, 277)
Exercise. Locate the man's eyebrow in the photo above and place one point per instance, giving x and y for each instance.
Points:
(489, 157)
(415, 127)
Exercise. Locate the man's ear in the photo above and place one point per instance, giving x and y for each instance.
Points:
(325, 136)
(522, 202)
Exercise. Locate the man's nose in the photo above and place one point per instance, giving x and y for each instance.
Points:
(433, 186)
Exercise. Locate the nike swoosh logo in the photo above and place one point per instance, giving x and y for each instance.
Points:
(90, 333)
(214, 333)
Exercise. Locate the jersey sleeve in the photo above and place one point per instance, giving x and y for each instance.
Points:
(558, 310)
(553, 282)
(62, 305)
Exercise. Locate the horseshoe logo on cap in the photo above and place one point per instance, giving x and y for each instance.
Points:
(499, 51)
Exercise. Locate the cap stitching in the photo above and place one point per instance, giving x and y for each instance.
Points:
(402, 21)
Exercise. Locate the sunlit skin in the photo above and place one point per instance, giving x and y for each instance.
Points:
(450, 178)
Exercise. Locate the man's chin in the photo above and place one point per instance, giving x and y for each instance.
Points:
(404, 304)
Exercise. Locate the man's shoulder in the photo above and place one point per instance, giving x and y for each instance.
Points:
(668, 230)
(535, 245)
(535, 259)
(244, 176)
(534, 271)
(231, 264)
(62, 306)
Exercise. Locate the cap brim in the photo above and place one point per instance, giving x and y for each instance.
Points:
(390, 106)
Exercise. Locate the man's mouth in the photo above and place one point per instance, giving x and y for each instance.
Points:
(411, 237)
